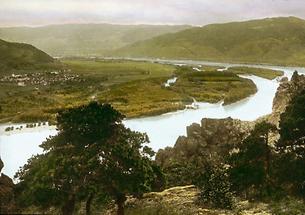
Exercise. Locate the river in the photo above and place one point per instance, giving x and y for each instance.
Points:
(163, 130)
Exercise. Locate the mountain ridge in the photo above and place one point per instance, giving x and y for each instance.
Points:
(21, 56)
(279, 40)
(84, 39)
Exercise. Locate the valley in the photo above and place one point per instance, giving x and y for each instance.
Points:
(134, 87)
(164, 117)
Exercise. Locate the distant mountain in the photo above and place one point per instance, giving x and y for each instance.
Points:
(84, 39)
(22, 56)
(272, 40)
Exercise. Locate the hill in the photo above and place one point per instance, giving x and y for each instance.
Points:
(21, 56)
(272, 40)
(84, 39)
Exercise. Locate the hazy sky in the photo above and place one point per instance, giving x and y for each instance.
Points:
(195, 12)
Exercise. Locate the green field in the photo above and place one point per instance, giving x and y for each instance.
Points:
(136, 88)
(263, 73)
(118, 71)
(214, 86)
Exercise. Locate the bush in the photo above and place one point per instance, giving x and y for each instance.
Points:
(215, 187)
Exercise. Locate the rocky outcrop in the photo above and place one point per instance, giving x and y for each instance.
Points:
(286, 91)
(215, 137)
(211, 139)
(6, 193)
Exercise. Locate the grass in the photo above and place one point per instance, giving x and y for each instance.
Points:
(263, 73)
(214, 86)
(134, 88)
(288, 206)
(118, 71)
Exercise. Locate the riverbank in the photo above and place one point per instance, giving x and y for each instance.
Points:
(162, 130)
(135, 88)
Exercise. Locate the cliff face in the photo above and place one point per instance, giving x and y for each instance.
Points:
(212, 138)
(284, 94)
(6, 192)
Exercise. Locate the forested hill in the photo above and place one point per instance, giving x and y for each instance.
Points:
(272, 40)
(21, 56)
(84, 39)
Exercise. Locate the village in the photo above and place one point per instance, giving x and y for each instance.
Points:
(41, 78)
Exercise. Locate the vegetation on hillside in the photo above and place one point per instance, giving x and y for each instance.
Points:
(277, 41)
(84, 39)
(16, 56)
(260, 168)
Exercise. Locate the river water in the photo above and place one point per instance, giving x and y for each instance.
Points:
(163, 130)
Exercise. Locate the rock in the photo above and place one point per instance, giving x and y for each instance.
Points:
(284, 79)
(286, 91)
(1, 165)
(6, 193)
(212, 139)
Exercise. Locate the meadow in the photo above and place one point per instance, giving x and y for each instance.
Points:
(136, 88)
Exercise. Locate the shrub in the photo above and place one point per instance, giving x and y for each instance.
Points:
(215, 187)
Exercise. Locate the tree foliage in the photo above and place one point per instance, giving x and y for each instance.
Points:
(92, 154)
(291, 145)
(251, 162)
(215, 187)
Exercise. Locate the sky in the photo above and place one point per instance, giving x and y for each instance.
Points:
(192, 12)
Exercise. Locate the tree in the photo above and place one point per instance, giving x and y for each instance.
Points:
(291, 145)
(126, 167)
(215, 187)
(251, 162)
(92, 153)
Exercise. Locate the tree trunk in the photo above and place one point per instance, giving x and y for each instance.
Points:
(68, 207)
(88, 204)
(120, 201)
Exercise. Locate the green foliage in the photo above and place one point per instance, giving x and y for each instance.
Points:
(292, 125)
(215, 187)
(93, 154)
(276, 41)
(178, 174)
(251, 162)
(291, 145)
